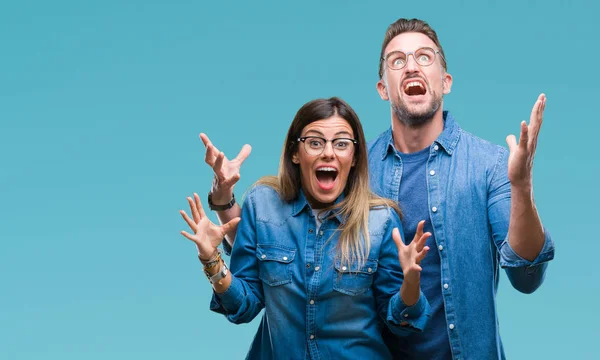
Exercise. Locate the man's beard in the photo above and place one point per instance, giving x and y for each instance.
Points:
(416, 118)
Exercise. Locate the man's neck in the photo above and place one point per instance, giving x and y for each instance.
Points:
(410, 139)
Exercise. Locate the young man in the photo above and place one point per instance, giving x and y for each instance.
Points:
(476, 198)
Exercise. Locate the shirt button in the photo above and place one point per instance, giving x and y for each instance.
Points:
(310, 231)
(370, 270)
(445, 286)
(312, 302)
(434, 209)
(263, 257)
(344, 268)
(308, 265)
(436, 148)
(285, 258)
(432, 172)
(317, 268)
(451, 326)
(405, 315)
(441, 247)
(312, 337)
(321, 232)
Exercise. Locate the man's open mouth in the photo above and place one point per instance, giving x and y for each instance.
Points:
(414, 87)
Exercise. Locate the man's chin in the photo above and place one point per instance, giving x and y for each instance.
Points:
(415, 116)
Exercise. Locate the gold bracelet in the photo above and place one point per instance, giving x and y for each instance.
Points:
(213, 263)
(209, 261)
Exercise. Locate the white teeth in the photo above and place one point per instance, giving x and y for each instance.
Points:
(326, 168)
(413, 83)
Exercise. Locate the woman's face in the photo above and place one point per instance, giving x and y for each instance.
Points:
(325, 156)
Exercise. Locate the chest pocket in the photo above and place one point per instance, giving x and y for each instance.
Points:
(275, 264)
(353, 279)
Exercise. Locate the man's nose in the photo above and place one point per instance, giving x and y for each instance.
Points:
(411, 64)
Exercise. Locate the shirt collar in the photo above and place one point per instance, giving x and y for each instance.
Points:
(447, 139)
(301, 203)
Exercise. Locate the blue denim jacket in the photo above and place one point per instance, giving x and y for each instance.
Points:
(315, 308)
(469, 207)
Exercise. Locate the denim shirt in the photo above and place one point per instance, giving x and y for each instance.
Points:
(469, 207)
(315, 307)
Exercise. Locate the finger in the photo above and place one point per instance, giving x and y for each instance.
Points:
(418, 233)
(244, 153)
(205, 139)
(536, 121)
(211, 154)
(199, 205)
(420, 227)
(188, 235)
(524, 137)
(422, 241)
(189, 221)
(211, 150)
(511, 141)
(218, 166)
(397, 239)
(230, 226)
(537, 112)
(421, 255)
(227, 183)
(195, 213)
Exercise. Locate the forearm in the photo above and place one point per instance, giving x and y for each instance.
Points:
(410, 292)
(525, 231)
(224, 216)
(222, 285)
(404, 320)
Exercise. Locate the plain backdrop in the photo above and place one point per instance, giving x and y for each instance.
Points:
(101, 103)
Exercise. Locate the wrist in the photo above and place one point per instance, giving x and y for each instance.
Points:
(525, 189)
(214, 269)
(220, 195)
(207, 256)
(410, 293)
(413, 280)
(216, 205)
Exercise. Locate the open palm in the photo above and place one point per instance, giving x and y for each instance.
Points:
(520, 159)
(227, 172)
(207, 236)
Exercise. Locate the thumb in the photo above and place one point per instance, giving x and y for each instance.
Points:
(230, 226)
(397, 239)
(511, 141)
(244, 153)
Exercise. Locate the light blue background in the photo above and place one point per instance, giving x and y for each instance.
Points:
(101, 104)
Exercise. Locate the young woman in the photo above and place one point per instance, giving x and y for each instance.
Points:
(317, 250)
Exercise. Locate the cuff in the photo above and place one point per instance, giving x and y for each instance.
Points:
(416, 316)
(230, 301)
(509, 258)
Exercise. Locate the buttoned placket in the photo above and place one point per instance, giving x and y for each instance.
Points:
(434, 196)
(314, 256)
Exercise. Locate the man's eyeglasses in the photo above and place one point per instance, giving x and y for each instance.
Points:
(424, 56)
(315, 145)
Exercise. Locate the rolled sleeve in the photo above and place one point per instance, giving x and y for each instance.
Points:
(510, 259)
(230, 301)
(414, 317)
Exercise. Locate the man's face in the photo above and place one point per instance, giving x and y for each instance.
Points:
(415, 92)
